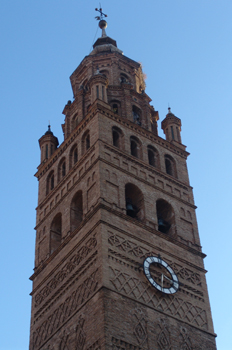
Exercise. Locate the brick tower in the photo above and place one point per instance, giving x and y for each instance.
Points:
(118, 260)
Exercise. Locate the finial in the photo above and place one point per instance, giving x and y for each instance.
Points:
(49, 132)
(169, 109)
(102, 23)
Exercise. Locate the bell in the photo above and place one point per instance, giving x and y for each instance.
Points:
(130, 210)
(163, 226)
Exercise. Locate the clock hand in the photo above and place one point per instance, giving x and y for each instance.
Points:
(168, 278)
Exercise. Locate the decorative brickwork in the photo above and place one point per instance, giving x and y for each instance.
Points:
(140, 328)
(185, 343)
(112, 194)
(65, 310)
(133, 249)
(118, 344)
(163, 339)
(70, 266)
(95, 346)
(172, 305)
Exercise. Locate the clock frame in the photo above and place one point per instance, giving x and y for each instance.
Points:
(173, 280)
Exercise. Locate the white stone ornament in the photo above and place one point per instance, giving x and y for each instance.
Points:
(173, 280)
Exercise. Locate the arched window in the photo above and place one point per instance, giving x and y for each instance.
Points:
(73, 156)
(134, 202)
(117, 136)
(55, 233)
(76, 211)
(137, 115)
(105, 73)
(116, 139)
(170, 165)
(124, 78)
(61, 169)
(115, 106)
(165, 217)
(153, 156)
(135, 147)
(85, 142)
(50, 182)
(74, 121)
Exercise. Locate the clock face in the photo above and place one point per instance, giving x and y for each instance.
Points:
(160, 275)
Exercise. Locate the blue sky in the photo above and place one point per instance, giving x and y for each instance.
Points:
(185, 49)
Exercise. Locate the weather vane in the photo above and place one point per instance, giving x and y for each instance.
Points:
(102, 15)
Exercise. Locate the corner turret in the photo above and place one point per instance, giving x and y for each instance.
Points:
(171, 126)
(48, 144)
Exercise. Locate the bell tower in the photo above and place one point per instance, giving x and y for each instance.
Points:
(118, 259)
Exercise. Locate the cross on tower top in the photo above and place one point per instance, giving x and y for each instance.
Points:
(102, 15)
(102, 23)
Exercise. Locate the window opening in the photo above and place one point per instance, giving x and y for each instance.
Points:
(134, 148)
(178, 133)
(63, 169)
(46, 156)
(168, 166)
(131, 210)
(76, 211)
(115, 108)
(87, 142)
(52, 182)
(136, 115)
(172, 132)
(124, 78)
(151, 157)
(116, 139)
(165, 216)
(134, 202)
(75, 157)
(55, 233)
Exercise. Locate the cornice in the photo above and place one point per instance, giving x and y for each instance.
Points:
(66, 240)
(46, 165)
(193, 206)
(65, 179)
(143, 132)
(99, 107)
(144, 165)
(153, 231)
(142, 225)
